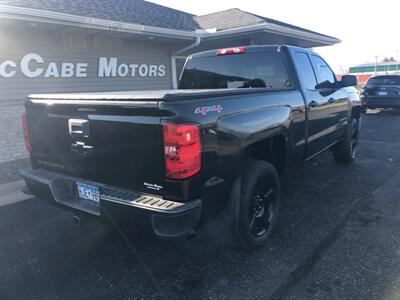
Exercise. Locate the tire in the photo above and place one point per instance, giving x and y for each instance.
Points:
(345, 151)
(259, 204)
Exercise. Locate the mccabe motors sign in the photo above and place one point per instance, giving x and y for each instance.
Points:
(33, 65)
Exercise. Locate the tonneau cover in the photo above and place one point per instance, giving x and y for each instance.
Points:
(146, 95)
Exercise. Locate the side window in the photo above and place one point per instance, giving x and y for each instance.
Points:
(180, 63)
(322, 70)
(306, 72)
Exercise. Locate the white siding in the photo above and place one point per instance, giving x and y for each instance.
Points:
(58, 46)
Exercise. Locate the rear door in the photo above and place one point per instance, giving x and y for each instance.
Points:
(326, 106)
(336, 99)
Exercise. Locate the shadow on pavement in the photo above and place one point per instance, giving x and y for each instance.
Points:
(383, 112)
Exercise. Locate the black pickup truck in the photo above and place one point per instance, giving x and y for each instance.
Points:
(177, 158)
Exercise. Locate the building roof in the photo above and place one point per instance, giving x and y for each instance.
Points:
(127, 11)
(151, 14)
(234, 18)
(383, 63)
(228, 19)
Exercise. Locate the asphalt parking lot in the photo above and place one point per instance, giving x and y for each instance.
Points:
(338, 237)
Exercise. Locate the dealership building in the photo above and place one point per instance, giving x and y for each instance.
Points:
(365, 71)
(49, 46)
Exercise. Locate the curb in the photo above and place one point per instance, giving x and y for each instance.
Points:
(10, 193)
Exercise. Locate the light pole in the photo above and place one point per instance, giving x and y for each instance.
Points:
(376, 64)
(397, 61)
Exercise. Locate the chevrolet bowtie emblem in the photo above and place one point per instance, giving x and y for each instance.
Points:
(79, 131)
(78, 128)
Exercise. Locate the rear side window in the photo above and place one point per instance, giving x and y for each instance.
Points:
(384, 80)
(322, 70)
(249, 70)
(305, 70)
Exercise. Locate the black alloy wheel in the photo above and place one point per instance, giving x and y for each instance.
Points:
(259, 204)
(261, 212)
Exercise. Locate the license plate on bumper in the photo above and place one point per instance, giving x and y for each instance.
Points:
(87, 192)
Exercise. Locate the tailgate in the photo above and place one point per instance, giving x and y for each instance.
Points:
(383, 91)
(117, 143)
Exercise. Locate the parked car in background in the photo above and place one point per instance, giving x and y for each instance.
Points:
(241, 118)
(381, 92)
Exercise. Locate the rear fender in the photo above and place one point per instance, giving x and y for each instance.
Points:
(237, 131)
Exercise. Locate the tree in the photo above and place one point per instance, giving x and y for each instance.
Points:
(389, 59)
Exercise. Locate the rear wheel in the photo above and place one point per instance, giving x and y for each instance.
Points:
(345, 151)
(259, 206)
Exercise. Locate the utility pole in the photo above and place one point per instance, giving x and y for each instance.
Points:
(376, 64)
(397, 61)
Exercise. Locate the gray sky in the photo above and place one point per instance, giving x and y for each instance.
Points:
(366, 28)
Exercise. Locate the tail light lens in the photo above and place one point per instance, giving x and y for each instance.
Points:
(182, 150)
(26, 134)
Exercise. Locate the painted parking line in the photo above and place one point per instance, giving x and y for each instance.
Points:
(10, 193)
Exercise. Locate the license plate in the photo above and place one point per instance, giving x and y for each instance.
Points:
(88, 192)
(382, 93)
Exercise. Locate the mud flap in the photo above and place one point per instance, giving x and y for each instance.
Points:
(233, 207)
(222, 229)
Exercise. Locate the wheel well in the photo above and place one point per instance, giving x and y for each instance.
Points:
(272, 150)
(356, 112)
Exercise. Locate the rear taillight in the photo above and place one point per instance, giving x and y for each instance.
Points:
(182, 150)
(26, 134)
(228, 51)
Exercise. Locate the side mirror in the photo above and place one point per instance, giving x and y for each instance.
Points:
(348, 80)
(324, 85)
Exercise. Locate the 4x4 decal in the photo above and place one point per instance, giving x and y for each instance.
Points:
(204, 110)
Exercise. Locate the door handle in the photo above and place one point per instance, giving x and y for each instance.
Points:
(313, 104)
(331, 100)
